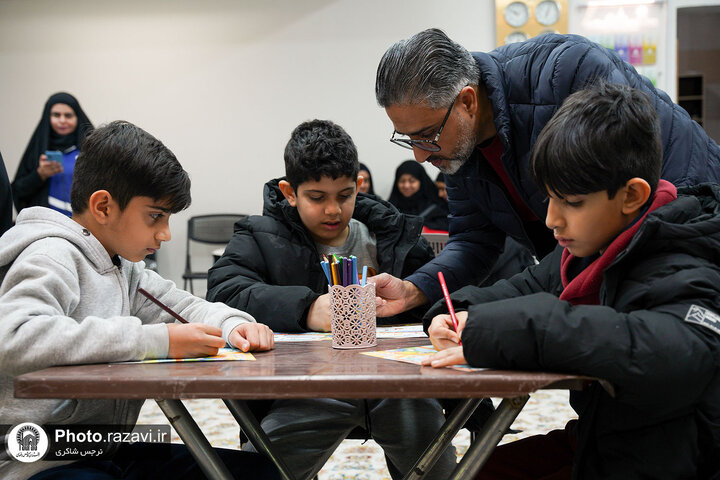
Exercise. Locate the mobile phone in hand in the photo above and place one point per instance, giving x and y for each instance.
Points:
(54, 156)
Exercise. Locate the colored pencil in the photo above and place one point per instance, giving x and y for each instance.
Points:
(446, 294)
(161, 305)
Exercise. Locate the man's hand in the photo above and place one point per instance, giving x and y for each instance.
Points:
(318, 319)
(47, 169)
(395, 295)
(442, 331)
(188, 340)
(451, 356)
(255, 337)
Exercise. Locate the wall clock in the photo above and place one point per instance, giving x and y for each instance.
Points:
(516, 14)
(518, 20)
(516, 37)
(547, 12)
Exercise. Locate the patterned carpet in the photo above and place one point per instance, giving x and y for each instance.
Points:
(544, 411)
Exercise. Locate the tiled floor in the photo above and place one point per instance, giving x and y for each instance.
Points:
(544, 411)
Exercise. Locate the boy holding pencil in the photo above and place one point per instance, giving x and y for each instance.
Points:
(272, 269)
(630, 295)
(70, 295)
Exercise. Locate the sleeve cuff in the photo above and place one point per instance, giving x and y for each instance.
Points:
(157, 341)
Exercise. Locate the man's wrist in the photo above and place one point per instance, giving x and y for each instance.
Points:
(415, 297)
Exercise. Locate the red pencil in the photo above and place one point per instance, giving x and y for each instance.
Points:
(446, 294)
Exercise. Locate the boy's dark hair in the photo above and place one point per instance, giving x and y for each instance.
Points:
(319, 148)
(128, 162)
(599, 138)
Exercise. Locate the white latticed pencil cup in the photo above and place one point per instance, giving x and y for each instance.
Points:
(352, 316)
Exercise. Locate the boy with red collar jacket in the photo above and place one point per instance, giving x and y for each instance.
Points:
(631, 295)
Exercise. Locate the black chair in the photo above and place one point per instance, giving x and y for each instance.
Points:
(216, 229)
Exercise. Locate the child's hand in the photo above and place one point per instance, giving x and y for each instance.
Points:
(318, 319)
(189, 340)
(442, 331)
(252, 337)
(450, 356)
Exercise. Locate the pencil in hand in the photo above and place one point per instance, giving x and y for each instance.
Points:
(446, 294)
(161, 305)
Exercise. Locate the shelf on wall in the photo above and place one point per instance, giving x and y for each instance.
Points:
(691, 95)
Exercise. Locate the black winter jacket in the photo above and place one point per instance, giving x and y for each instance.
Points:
(271, 267)
(655, 337)
(526, 83)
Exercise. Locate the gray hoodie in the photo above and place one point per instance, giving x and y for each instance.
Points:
(62, 302)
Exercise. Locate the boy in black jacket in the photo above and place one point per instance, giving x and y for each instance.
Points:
(630, 295)
(271, 268)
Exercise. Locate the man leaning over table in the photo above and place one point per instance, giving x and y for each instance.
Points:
(475, 116)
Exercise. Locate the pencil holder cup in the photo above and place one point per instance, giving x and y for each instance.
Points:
(352, 316)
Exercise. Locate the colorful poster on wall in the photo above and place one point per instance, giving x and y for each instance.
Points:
(632, 28)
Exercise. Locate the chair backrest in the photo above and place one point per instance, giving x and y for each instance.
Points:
(215, 229)
(437, 241)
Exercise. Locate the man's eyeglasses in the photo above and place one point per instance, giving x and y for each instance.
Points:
(424, 144)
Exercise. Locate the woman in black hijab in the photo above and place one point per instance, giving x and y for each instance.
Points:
(46, 182)
(415, 193)
(367, 185)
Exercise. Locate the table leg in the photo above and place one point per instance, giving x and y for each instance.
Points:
(491, 434)
(251, 426)
(445, 435)
(195, 441)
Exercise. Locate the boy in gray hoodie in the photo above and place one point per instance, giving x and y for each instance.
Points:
(69, 295)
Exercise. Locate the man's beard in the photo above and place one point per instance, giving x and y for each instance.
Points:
(460, 154)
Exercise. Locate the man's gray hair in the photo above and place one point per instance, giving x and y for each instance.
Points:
(427, 68)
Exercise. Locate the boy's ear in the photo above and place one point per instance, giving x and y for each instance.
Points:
(637, 192)
(360, 181)
(101, 206)
(288, 192)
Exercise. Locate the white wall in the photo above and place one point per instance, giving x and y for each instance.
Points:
(220, 82)
(224, 82)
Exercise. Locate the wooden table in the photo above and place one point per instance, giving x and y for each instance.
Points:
(302, 370)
